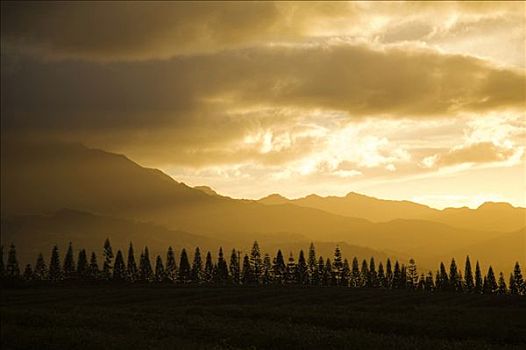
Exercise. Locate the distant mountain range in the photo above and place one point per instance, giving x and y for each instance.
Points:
(39, 181)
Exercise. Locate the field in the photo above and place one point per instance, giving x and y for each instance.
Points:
(158, 317)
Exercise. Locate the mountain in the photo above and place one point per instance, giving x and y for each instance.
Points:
(489, 216)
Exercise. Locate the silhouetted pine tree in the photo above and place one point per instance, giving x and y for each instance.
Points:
(196, 274)
(346, 273)
(312, 265)
(12, 268)
(145, 266)
(28, 273)
(184, 275)
(512, 287)
(478, 279)
(235, 268)
(429, 285)
(320, 271)
(412, 274)
(108, 258)
(388, 274)
(468, 276)
(247, 275)
(455, 282)
(301, 269)
(69, 263)
(364, 274)
(279, 268)
(267, 270)
(501, 289)
(291, 270)
(337, 266)
(518, 281)
(119, 269)
(490, 285)
(327, 273)
(94, 271)
(222, 268)
(171, 267)
(404, 283)
(41, 272)
(256, 263)
(160, 275)
(442, 282)
(55, 271)
(421, 285)
(397, 277)
(132, 272)
(356, 280)
(2, 266)
(82, 265)
(382, 282)
(372, 278)
(209, 268)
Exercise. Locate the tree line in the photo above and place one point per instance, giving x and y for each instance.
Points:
(256, 268)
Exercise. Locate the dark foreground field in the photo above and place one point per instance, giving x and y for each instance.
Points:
(164, 317)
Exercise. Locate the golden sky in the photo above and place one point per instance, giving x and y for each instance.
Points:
(417, 101)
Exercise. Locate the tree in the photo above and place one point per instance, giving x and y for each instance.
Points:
(302, 269)
(501, 289)
(455, 282)
(28, 273)
(478, 279)
(69, 263)
(235, 268)
(382, 281)
(93, 267)
(171, 267)
(12, 268)
(373, 276)
(364, 274)
(267, 270)
(160, 275)
(320, 271)
(255, 261)
(346, 273)
(312, 265)
(490, 285)
(40, 272)
(468, 276)
(337, 266)
(132, 273)
(356, 280)
(442, 282)
(388, 274)
(247, 275)
(327, 273)
(55, 271)
(291, 270)
(209, 268)
(222, 268)
(397, 276)
(108, 258)
(512, 287)
(429, 285)
(519, 287)
(145, 266)
(403, 274)
(196, 274)
(119, 269)
(279, 268)
(412, 274)
(82, 264)
(421, 282)
(184, 268)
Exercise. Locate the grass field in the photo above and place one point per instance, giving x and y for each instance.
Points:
(165, 317)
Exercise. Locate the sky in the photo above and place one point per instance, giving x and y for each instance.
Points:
(417, 101)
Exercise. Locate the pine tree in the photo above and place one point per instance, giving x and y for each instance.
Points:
(222, 267)
(490, 285)
(55, 271)
(132, 273)
(501, 289)
(455, 282)
(184, 268)
(320, 271)
(442, 282)
(412, 274)
(364, 274)
(356, 279)
(512, 287)
(2, 266)
(421, 282)
(397, 276)
(235, 268)
(12, 268)
(429, 285)
(145, 266)
(373, 276)
(160, 275)
(337, 266)
(171, 267)
(256, 263)
(346, 273)
(69, 263)
(247, 275)
(382, 281)
(108, 258)
(301, 269)
(119, 269)
(209, 268)
(93, 267)
(327, 273)
(478, 279)
(518, 281)
(267, 270)
(312, 265)
(41, 272)
(403, 274)
(279, 268)
(388, 274)
(291, 270)
(468, 276)
(82, 265)
(196, 274)
(28, 273)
